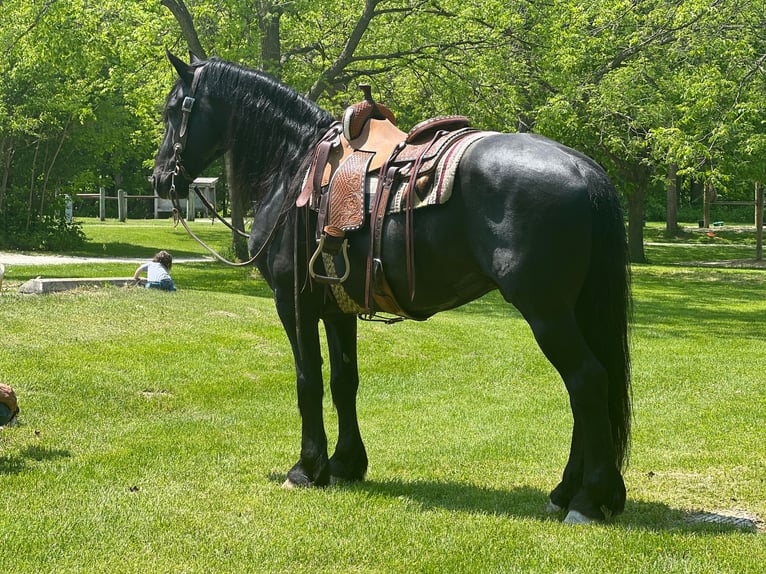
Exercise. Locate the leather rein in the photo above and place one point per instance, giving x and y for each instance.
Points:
(180, 171)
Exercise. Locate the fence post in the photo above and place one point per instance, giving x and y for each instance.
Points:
(758, 221)
(68, 208)
(190, 206)
(101, 204)
(122, 205)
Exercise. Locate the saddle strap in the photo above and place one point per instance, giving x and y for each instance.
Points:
(388, 175)
(313, 182)
(408, 214)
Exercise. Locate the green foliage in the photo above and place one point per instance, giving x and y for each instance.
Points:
(49, 232)
(72, 105)
(640, 86)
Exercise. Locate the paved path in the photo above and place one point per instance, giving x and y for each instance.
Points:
(22, 259)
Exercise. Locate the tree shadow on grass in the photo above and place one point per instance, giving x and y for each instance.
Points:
(530, 503)
(18, 462)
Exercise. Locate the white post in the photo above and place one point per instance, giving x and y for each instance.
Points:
(69, 208)
(190, 206)
(122, 205)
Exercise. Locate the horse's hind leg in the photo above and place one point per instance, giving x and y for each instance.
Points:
(349, 462)
(562, 495)
(592, 486)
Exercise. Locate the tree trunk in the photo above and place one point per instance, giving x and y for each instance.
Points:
(638, 176)
(52, 163)
(330, 74)
(758, 221)
(671, 226)
(238, 211)
(32, 186)
(709, 197)
(271, 45)
(185, 21)
(636, 224)
(6, 153)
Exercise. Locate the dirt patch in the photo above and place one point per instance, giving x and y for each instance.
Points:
(735, 518)
(727, 264)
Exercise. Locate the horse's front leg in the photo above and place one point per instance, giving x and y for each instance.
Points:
(349, 462)
(312, 469)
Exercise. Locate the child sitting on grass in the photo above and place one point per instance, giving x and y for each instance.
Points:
(157, 272)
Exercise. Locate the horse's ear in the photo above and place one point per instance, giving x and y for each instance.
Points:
(194, 59)
(184, 70)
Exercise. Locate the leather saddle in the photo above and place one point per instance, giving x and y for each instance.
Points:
(368, 143)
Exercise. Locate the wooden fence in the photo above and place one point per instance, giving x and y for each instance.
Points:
(192, 206)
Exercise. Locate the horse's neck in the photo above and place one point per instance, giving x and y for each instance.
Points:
(266, 169)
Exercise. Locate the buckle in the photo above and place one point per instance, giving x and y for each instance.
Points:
(188, 104)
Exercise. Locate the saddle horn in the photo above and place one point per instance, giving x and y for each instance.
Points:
(379, 111)
(358, 115)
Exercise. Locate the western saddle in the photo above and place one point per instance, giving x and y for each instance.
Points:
(364, 145)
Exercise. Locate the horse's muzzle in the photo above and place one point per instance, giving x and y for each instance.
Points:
(163, 181)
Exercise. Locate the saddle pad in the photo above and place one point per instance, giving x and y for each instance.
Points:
(440, 189)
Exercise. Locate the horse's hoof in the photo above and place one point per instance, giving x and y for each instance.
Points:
(289, 484)
(553, 508)
(574, 517)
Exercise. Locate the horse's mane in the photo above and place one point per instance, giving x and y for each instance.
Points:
(274, 127)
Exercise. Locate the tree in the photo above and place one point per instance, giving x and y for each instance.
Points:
(321, 57)
(643, 86)
(70, 109)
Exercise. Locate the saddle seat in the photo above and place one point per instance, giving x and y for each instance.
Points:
(376, 136)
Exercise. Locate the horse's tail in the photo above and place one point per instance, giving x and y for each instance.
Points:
(604, 307)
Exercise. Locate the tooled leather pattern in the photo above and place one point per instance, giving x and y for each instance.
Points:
(346, 208)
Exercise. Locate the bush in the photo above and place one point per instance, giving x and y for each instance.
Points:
(28, 230)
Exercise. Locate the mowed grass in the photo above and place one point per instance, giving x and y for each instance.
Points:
(156, 430)
(143, 238)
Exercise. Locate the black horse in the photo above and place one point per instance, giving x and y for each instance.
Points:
(527, 216)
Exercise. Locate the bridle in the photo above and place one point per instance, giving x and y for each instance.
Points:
(179, 170)
(180, 143)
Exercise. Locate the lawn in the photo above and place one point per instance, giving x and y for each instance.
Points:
(156, 430)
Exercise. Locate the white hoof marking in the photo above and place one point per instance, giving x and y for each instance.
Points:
(552, 508)
(574, 517)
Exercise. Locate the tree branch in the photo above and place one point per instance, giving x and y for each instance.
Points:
(662, 35)
(185, 21)
(330, 74)
(32, 26)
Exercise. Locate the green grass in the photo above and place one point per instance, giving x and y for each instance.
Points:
(156, 430)
(735, 234)
(143, 238)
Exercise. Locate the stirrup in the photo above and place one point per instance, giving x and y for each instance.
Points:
(320, 248)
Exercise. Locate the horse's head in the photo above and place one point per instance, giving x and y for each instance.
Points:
(195, 130)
